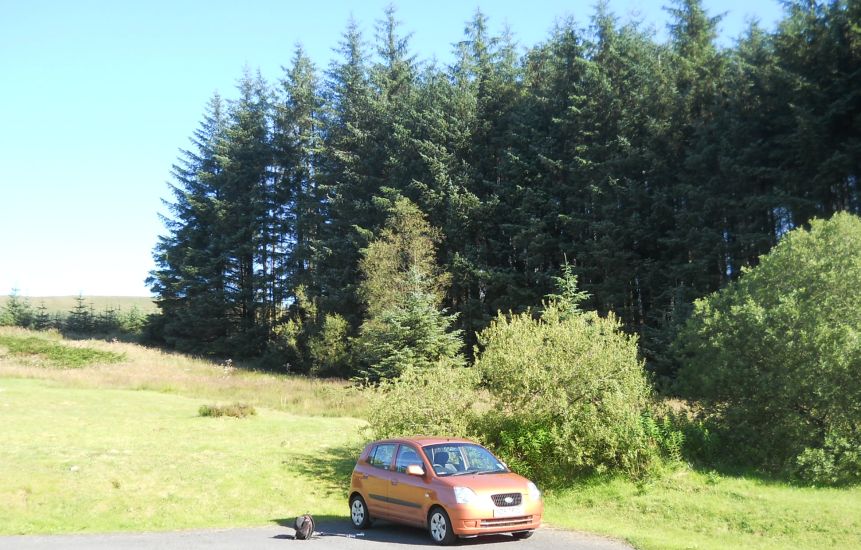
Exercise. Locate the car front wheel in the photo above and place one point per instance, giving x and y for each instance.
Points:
(359, 513)
(439, 527)
(522, 534)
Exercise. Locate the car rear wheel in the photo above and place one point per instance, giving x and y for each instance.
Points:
(359, 513)
(439, 527)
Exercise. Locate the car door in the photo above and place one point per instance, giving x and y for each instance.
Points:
(376, 479)
(408, 494)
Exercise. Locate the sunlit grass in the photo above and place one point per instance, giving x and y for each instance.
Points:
(150, 369)
(102, 460)
(122, 447)
(687, 509)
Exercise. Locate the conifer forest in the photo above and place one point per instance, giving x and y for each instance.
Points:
(382, 210)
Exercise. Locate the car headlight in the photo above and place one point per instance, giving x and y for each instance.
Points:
(465, 495)
(534, 493)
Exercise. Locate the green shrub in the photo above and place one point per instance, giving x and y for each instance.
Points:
(775, 358)
(428, 401)
(568, 392)
(664, 433)
(236, 410)
(837, 462)
(328, 349)
(55, 354)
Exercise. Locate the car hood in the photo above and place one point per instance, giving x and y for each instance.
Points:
(489, 483)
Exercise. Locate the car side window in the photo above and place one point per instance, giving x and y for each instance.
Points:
(406, 457)
(381, 456)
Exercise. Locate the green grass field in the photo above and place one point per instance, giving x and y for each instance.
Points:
(120, 446)
(96, 460)
(692, 510)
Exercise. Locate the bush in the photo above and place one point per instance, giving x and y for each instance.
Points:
(328, 349)
(838, 461)
(428, 401)
(568, 392)
(236, 410)
(52, 353)
(775, 358)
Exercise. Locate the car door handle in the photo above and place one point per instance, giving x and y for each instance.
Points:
(364, 476)
(394, 482)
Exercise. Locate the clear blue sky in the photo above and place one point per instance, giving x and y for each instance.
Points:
(98, 96)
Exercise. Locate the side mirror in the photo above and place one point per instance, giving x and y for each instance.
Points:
(415, 470)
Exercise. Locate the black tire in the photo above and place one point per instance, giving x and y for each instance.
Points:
(520, 535)
(359, 512)
(439, 527)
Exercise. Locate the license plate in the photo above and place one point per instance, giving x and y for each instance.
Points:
(508, 512)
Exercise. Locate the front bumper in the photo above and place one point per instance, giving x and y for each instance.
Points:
(470, 521)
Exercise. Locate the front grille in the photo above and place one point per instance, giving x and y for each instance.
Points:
(507, 522)
(513, 499)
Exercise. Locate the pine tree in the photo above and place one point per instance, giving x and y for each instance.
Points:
(403, 289)
(820, 74)
(244, 216)
(43, 319)
(189, 275)
(347, 145)
(81, 319)
(301, 204)
(487, 78)
(18, 311)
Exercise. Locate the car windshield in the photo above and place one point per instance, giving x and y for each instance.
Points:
(449, 459)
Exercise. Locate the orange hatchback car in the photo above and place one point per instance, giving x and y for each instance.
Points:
(452, 487)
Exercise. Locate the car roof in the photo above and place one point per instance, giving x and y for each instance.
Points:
(423, 440)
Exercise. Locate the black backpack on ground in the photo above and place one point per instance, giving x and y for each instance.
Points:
(304, 527)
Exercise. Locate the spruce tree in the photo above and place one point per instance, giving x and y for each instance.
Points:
(189, 278)
(81, 319)
(299, 193)
(245, 216)
(348, 150)
(18, 310)
(43, 319)
(403, 288)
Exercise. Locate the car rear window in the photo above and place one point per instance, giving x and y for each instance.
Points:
(381, 456)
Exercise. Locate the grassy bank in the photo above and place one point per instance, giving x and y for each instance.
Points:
(142, 368)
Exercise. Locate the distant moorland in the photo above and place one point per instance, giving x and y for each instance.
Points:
(65, 304)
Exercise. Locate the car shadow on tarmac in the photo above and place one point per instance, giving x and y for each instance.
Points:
(380, 531)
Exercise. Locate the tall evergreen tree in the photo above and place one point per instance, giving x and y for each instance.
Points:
(189, 275)
(817, 48)
(300, 208)
(488, 76)
(244, 211)
(348, 147)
